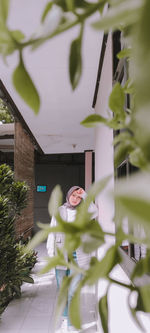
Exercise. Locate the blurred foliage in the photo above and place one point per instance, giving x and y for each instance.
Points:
(15, 265)
(132, 18)
(90, 236)
(5, 115)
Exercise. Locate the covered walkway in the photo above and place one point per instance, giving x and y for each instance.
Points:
(34, 311)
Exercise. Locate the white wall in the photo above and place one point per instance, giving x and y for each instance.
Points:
(120, 320)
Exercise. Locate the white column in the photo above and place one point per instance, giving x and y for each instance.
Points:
(104, 164)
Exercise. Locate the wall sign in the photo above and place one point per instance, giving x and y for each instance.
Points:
(41, 188)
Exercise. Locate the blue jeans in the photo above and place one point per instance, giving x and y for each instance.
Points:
(60, 274)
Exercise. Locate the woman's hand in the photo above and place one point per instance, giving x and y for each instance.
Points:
(80, 192)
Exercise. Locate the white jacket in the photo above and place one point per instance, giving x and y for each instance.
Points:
(57, 239)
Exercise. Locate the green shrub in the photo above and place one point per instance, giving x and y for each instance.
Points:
(25, 259)
(5, 114)
(15, 266)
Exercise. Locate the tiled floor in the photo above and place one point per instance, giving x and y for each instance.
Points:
(34, 311)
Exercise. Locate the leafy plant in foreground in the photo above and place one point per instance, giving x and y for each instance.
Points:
(133, 19)
(90, 236)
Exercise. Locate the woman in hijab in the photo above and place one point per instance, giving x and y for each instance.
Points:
(68, 212)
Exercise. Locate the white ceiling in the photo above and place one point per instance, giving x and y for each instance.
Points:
(57, 127)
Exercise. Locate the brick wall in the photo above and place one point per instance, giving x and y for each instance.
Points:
(24, 170)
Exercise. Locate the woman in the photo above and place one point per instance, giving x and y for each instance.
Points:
(68, 212)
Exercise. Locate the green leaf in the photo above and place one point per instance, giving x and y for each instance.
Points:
(46, 10)
(70, 5)
(133, 313)
(62, 297)
(94, 230)
(122, 151)
(55, 201)
(75, 61)
(93, 236)
(83, 4)
(78, 4)
(129, 87)
(117, 100)
(46, 226)
(17, 35)
(124, 53)
(83, 216)
(116, 123)
(91, 244)
(17, 290)
(137, 158)
(52, 263)
(73, 266)
(61, 4)
(123, 136)
(25, 87)
(141, 128)
(72, 242)
(67, 227)
(24, 272)
(102, 7)
(96, 189)
(93, 120)
(143, 303)
(102, 268)
(125, 13)
(144, 28)
(37, 239)
(142, 267)
(27, 279)
(133, 197)
(7, 44)
(103, 311)
(74, 308)
(43, 225)
(4, 9)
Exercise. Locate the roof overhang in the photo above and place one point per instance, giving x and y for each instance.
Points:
(57, 127)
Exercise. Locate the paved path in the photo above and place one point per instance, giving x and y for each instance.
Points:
(34, 311)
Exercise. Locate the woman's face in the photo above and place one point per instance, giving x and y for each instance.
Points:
(74, 199)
